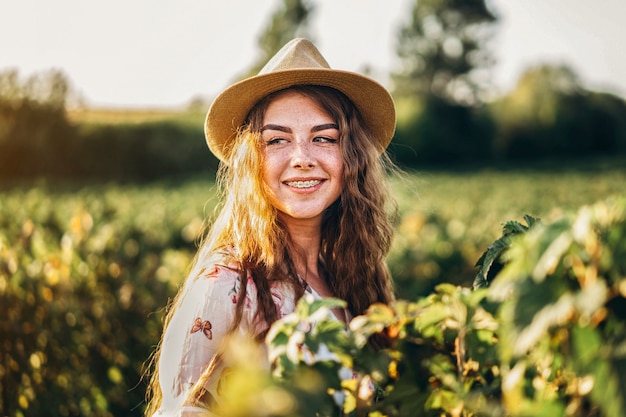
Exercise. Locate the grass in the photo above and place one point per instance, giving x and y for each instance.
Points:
(491, 196)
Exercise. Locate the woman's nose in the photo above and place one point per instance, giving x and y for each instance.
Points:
(302, 156)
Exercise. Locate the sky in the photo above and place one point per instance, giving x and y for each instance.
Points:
(162, 53)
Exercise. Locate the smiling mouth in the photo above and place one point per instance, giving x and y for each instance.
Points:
(303, 184)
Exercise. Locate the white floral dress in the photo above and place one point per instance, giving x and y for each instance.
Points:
(200, 323)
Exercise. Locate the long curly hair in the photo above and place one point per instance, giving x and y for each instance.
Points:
(356, 230)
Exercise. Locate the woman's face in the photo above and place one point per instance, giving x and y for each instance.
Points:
(302, 167)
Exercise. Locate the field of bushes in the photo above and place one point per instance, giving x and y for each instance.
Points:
(85, 271)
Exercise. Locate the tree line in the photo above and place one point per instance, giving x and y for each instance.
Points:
(446, 114)
(37, 139)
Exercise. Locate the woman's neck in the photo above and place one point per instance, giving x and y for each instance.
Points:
(305, 237)
(306, 240)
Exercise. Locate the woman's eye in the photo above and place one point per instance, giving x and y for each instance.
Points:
(324, 139)
(275, 141)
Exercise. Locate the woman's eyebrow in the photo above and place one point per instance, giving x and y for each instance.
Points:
(275, 127)
(326, 126)
(285, 129)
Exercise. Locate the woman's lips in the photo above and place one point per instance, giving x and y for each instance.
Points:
(303, 184)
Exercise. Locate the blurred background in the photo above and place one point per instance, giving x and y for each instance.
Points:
(475, 82)
(505, 108)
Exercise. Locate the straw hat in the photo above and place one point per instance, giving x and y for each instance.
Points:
(297, 63)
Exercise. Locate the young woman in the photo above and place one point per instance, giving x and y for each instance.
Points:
(305, 208)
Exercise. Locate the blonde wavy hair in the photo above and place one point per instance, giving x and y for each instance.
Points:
(356, 230)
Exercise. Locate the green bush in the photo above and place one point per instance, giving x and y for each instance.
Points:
(35, 140)
(85, 275)
(38, 140)
(142, 152)
(435, 133)
(549, 114)
(547, 338)
(84, 278)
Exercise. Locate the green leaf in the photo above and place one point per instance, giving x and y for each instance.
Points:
(543, 408)
(586, 343)
(552, 255)
(490, 263)
(442, 399)
(432, 316)
(278, 339)
(546, 317)
(610, 386)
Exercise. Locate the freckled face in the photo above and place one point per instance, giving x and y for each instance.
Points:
(303, 167)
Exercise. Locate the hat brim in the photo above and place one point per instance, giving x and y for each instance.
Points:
(230, 109)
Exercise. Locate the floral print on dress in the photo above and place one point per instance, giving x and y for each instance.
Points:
(234, 291)
(204, 326)
(277, 297)
(213, 273)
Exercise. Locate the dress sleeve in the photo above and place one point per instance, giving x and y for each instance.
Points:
(198, 326)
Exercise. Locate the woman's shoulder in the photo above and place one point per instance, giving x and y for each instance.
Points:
(216, 265)
(215, 279)
(221, 269)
